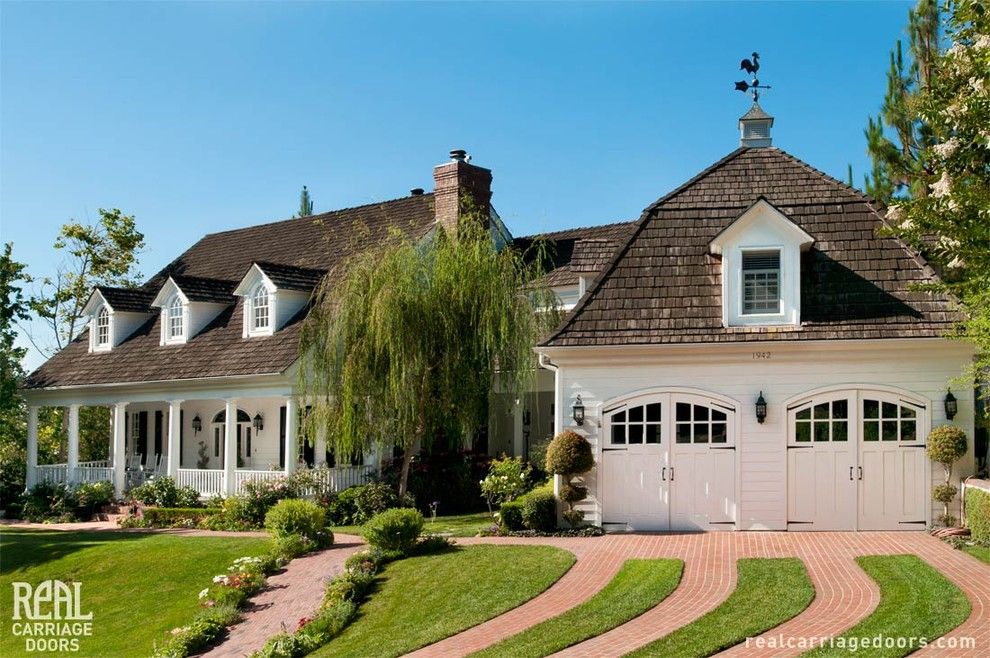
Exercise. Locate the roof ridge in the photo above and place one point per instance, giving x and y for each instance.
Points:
(262, 263)
(323, 214)
(548, 234)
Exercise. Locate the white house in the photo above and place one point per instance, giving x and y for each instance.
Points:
(749, 354)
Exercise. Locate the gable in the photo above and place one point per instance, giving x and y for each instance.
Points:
(664, 285)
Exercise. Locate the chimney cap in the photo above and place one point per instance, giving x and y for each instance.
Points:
(459, 155)
(416, 191)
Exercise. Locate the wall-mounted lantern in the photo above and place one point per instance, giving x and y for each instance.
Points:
(259, 422)
(951, 406)
(578, 411)
(197, 424)
(761, 409)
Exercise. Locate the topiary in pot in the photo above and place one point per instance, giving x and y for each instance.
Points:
(569, 455)
(946, 445)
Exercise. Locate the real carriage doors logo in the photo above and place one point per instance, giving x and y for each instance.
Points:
(49, 617)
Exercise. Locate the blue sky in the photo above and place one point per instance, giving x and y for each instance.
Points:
(200, 117)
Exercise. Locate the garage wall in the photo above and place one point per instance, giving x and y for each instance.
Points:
(923, 367)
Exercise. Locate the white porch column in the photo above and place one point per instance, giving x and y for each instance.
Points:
(174, 428)
(73, 442)
(119, 449)
(517, 426)
(230, 447)
(320, 447)
(31, 477)
(291, 447)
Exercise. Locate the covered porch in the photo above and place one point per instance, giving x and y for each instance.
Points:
(215, 444)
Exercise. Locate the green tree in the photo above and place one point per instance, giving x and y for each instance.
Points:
(951, 223)
(898, 138)
(12, 423)
(305, 203)
(105, 253)
(401, 348)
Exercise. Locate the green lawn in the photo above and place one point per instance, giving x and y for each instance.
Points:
(421, 600)
(768, 592)
(979, 552)
(639, 586)
(460, 525)
(915, 601)
(137, 585)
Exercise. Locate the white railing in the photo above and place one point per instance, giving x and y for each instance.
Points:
(240, 477)
(99, 463)
(207, 482)
(349, 476)
(93, 474)
(52, 473)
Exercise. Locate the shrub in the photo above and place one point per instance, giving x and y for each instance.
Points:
(433, 544)
(13, 467)
(508, 478)
(342, 508)
(175, 517)
(510, 515)
(977, 503)
(375, 498)
(569, 453)
(291, 546)
(394, 530)
(539, 510)
(49, 502)
(538, 454)
(946, 444)
(259, 496)
(95, 494)
(571, 493)
(163, 492)
(944, 493)
(293, 516)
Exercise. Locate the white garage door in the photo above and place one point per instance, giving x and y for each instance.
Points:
(668, 463)
(856, 460)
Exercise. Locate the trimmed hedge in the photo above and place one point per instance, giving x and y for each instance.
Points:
(978, 514)
(172, 517)
(536, 510)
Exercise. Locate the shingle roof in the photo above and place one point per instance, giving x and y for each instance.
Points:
(292, 278)
(563, 247)
(209, 270)
(755, 112)
(662, 286)
(127, 300)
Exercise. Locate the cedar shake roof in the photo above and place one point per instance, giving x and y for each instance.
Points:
(662, 286)
(291, 251)
(127, 300)
(292, 278)
(578, 250)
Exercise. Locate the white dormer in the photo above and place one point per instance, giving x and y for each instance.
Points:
(761, 267)
(267, 307)
(183, 313)
(111, 323)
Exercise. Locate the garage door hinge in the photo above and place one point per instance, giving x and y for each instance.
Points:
(721, 447)
(799, 447)
(914, 522)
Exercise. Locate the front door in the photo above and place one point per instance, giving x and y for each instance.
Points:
(668, 463)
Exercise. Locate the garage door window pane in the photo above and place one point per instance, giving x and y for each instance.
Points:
(653, 412)
(840, 409)
(889, 410)
(683, 433)
(889, 430)
(871, 431)
(653, 434)
(718, 416)
(821, 411)
(635, 434)
(701, 433)
(618, 434)
(683, 412)
(804, 414)
(821, 431)
(719, 433)
(908, 412)
(840, 431)
(636, 415)
(803, 431)
(908, 430)
(619, 417)
(700, 412)
(871, 409)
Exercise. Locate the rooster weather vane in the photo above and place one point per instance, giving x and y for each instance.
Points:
(751, 66)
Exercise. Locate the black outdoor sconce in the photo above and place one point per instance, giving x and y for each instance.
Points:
(951, 406)
(197, 424)
(579, 411)
(259, 422)
(761, 409)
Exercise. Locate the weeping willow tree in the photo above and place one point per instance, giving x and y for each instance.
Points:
(401, 349)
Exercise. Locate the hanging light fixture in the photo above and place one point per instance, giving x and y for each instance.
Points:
(197, 424)
(578, 411)
(951, 406)
(761, 409)
(259, 422)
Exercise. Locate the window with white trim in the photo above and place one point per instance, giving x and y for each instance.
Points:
(761, 282)
(260, 309)
(103, 328)
(174, 319)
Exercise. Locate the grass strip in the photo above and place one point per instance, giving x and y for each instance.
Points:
(916, 602)
(638, 586)
(423, 600)
(769, 591)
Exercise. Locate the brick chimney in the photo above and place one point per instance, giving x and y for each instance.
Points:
(459, 185)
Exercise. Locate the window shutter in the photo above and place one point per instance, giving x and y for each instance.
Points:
(158, 432)
(761, 260)
(281, 437)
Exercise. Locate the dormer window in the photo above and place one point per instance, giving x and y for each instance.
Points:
(174, 320)
(103, 328)
(761, 282)
(260, 316)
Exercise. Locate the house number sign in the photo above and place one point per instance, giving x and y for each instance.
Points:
(762, 356)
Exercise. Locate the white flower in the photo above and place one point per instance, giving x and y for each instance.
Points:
(203, 594)
(895, 214)
(946, 150)
(955, 263)
(982, 42)
(943, 186)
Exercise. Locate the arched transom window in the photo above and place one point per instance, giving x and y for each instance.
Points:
(260, 309)
(174, 318)
(103, 327)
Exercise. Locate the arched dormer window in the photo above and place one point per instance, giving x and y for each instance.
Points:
(174, 319)
(103, 328)
(260, 309)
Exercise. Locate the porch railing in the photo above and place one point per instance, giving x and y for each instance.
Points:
(207, 481)
(94, 473)
(240, 477)
(52, 473)
(349, 476)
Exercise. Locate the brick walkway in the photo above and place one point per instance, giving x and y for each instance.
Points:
(289, 596)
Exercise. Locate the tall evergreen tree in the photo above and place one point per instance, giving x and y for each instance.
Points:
(898, 137)
(305, 203)
(12, 424)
